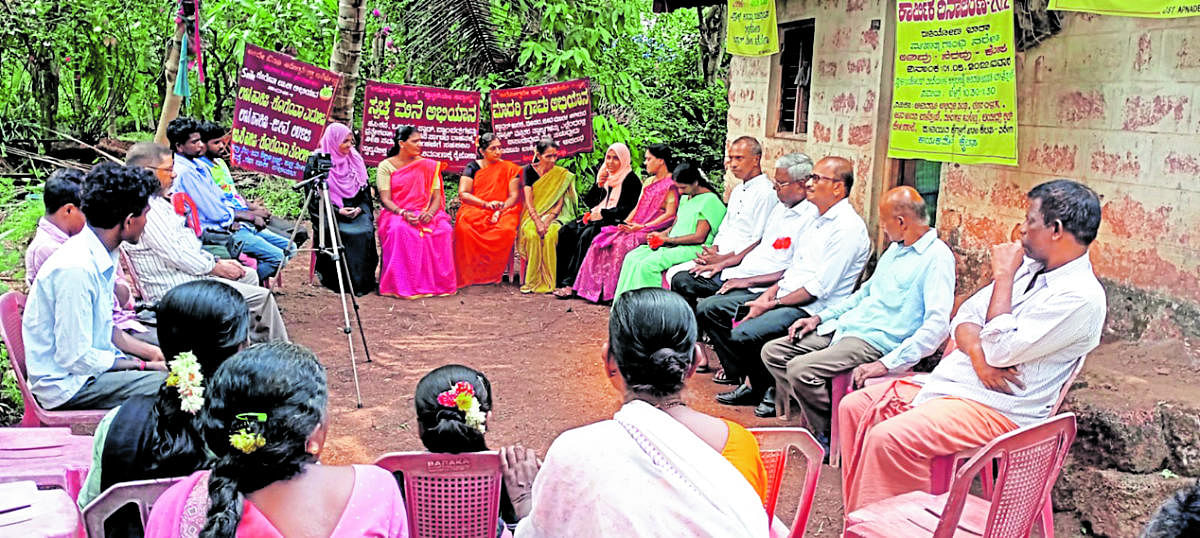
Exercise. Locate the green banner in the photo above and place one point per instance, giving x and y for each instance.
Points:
(1159, 9)
(752, 30)
(955, 85)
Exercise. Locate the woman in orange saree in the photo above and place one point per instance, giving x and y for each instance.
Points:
(486, 226)
(414, 229)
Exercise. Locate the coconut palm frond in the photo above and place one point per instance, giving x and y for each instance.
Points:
(468, 31)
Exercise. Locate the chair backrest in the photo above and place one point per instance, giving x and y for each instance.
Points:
(774, 445)
(1028, 461)
(12, 307)
(186, 207)
(449, 494)
(141, 493)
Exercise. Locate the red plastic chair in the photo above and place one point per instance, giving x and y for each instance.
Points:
(774, 445)
(1028, 462)
(12, 307)
(185, 206)
(50, 457)
(141, 493)
(448, 494)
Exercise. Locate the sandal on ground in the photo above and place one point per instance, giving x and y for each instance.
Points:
(721, 379)
(562, 294)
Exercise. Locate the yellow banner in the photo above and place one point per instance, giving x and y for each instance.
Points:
(955, 85)
(1159, 9)
(752, 29)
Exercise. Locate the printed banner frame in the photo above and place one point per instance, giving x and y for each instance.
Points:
(560, 110)
(1156, 9)
(448, 121)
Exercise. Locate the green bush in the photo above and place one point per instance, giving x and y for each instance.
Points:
(11, 404)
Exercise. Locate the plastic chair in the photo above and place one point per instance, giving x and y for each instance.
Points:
(186, 207)
(515, 270)
(49, 513)
(842, 386)
(1028, 462)
(942, 468)
(448, 494)
(141, 493)
(12, 307)
(774, 445)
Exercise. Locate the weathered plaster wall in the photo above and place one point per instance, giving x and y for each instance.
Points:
(1111, 102)
(846, 82)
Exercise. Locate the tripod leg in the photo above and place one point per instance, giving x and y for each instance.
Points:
(327, 209)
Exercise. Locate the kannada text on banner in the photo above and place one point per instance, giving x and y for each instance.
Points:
(448, 121)
(561, 111)
(955, 83)
(1161, 9)
(280, 112)
(752, 28)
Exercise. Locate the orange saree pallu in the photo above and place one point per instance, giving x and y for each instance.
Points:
(482, 248)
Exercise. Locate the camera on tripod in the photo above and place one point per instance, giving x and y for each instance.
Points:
(318, 164)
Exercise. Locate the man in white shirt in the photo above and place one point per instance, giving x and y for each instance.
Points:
(762, 265)
(749, 206)
(170, 254)
(898, 317)
(825, 265)
(1019, 339)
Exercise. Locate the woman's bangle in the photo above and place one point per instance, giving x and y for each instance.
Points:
(141, 365)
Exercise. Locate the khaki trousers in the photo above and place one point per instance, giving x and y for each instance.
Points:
(803, 370)
(266, 323)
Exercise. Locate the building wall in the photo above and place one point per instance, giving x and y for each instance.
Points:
(846, 78)
(1112, 102)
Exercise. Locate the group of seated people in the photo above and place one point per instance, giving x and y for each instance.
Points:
(86, 346)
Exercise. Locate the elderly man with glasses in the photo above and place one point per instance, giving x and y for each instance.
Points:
(827, 258)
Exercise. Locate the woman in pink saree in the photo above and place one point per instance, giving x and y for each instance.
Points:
(415, 235)
(265, 420)
(597, 280)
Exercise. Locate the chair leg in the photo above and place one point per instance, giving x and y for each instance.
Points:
(1047, 517)
(312, 266)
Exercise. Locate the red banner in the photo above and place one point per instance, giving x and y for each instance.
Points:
(561, 111)
(280, 112)
(448, 121)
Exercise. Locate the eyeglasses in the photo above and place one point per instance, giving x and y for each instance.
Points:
(817, 177)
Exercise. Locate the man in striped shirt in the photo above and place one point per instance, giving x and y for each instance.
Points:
(170, 254)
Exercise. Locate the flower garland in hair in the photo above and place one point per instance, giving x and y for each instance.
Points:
(248, 438)
(186, 378)
(461, 396)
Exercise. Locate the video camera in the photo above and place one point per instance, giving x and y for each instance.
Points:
(316, 169)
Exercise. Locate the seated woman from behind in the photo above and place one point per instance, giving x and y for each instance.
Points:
(446, 427)
(658, 468)
(265, 421)
(696, 222)
(200, 324)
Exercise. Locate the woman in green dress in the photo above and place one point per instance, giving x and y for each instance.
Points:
(699, 215)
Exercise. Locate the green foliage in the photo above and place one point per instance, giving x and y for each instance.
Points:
(11, 403)
(20, 209)
(276, 193)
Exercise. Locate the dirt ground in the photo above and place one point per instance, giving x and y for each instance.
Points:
(542, 357)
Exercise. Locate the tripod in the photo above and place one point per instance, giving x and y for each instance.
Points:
(325, 217)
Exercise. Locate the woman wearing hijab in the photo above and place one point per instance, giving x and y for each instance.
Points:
(351, 200)
(414, 229)
(614, 196)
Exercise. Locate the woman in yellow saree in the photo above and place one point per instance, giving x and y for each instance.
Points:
(550, 202)
(486, 226)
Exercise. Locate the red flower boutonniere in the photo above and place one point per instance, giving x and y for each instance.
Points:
(782, 243)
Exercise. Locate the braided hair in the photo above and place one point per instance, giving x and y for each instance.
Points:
(211, 320)
(651, 336)
(285, 383)
(444, 429)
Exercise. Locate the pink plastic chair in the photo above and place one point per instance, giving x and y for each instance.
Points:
(841, 388)
(50, 513)
(141, 493)
(942, 468)
(50, 457)
(448, 494)
(1028, 462)
(12, 307)
(774, 445)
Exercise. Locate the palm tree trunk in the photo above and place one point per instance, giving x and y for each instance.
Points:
(171, 102)
(347, 56)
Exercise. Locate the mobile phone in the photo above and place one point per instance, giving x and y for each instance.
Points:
(741, 313)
